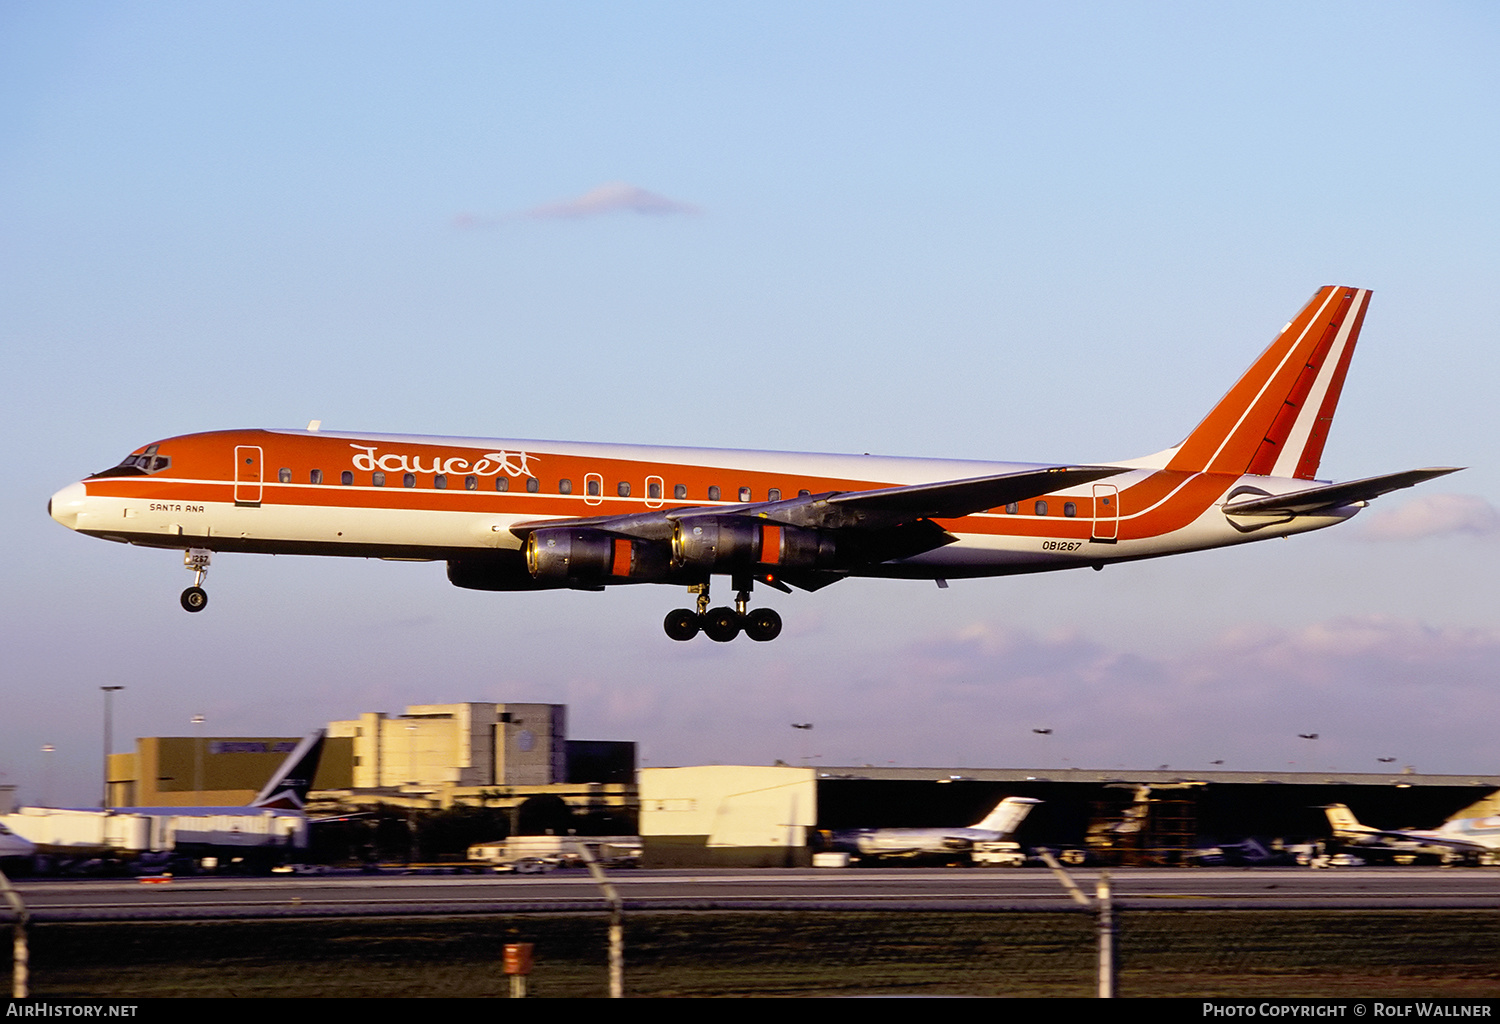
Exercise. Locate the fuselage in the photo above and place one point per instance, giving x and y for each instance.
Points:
(911, 842)
(414, 497)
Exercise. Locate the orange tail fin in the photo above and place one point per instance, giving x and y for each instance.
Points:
(1275, 419)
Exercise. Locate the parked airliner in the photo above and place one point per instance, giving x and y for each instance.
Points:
(997, 826)
(529, 515)
(1477, 839)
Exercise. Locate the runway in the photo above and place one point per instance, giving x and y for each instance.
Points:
(908, 889)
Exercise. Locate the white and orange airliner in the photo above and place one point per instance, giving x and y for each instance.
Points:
(529, 515)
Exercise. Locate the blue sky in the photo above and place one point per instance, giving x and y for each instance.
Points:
(987, 230)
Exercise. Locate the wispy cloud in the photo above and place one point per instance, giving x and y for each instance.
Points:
(613, 197)
(1433, 515)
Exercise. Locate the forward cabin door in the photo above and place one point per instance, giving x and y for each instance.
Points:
(247, 460)
(1106, 513)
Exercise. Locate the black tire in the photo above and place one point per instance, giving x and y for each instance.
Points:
(762, 625)
(195, 599)
(722, 624)
(681, 624)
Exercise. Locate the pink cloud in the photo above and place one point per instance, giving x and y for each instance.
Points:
(1433, 515)
(613, 197)
(617, 195)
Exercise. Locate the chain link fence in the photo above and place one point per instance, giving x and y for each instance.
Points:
(1197, 953)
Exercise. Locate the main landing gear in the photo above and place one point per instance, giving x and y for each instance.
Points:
(195, 598)
(723, 624)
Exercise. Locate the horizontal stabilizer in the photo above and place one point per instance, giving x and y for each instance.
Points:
(952, 499)
(1316, 499)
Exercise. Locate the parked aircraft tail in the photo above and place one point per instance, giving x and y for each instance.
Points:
(1344, 822)
(1275, 420)
(288, 788)
(1008, 814)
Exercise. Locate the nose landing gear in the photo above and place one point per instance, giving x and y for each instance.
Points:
(722, 625)
(195, 598)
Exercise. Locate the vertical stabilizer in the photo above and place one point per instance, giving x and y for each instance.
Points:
(1343, 821)
(1008, 815)
(288, 788)
(1275, 420)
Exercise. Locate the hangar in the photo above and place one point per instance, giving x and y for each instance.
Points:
(729, 815)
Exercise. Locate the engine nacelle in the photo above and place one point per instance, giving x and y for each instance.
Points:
(727, 543)
(498, 570)
(560, 555)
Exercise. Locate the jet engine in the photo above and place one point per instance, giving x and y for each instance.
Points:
(560, 555)
(727, 543)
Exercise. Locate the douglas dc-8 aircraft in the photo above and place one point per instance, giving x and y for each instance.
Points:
(532, 515)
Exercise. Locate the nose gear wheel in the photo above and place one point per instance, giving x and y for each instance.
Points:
(195, 598)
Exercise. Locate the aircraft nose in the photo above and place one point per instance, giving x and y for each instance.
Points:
(67, 503)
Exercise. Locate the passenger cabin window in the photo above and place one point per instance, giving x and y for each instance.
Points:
(1012, 509)
(408, 480)
(744, 494)
(440, 481)
(774, 494)
(1070, 509)
(502, 483)
(591, 487)
(653, 490)
(565, 486)
(533, 484)
(713, 494)
(1041, 508)
(284, 475)
(346, 478)
(804, 494)
(471, 483)
(378, 479)
(623, 489)
(316, 476)
(679, 492)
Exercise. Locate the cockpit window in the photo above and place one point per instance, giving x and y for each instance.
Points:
(138, 465)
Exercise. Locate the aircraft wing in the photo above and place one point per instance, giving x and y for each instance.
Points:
(881, 507)
(829, 534)
(1316, 499)
(952, 499)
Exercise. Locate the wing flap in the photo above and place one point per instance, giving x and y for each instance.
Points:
(1316, 499)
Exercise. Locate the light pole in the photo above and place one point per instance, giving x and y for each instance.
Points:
(198, 760)
(109, 693)
(47, 751)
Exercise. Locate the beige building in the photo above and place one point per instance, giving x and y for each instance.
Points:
(441, 746)
(212, 771)
(727, 816)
